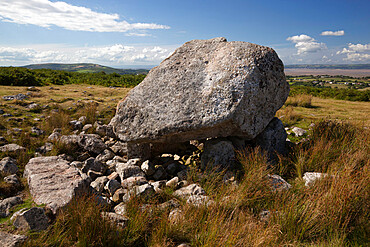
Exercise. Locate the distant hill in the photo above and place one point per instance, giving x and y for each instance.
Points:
(85, 68)
(328, 66)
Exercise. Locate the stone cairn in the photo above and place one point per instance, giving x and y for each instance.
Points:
(208, 99)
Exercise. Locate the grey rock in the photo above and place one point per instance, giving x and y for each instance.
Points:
(206, 88)
(54, 136)
(299, 131)
(12, 148)
(82, 119)
(105, 130)
(117, 219)
(129, 169)
(158, 185)
(175, 216)
(160, 173)
(111, 186)
(12, 179)
(93, 165)
(183, 175)
(77, 164)
(113, 175)
(121, 209)
(33, 219)
(273, 138)
(265, 215)
(92, 143)
(19, 96)
(7, 204)
(173, 168)
(277, 183)
(77, 125)
(87, 127)
(119, 148)
(71, 140)
(33, 106)
(99, 183)
(310, 177)
(45, 148)
(53, 182)
(133, 181)
(11, 240)
(105, 156)
(94, 174)
(172, 182)
(145, 190)
(119, 195)
(173, 203)
(218, 153)
(199, 200)
(190, 190)
(148, 168)
(183, 245)
(33, 88)
(8, 166)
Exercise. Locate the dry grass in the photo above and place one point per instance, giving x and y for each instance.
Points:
(301, 100)
(288, 115)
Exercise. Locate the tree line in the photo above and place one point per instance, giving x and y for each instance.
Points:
(16, 76)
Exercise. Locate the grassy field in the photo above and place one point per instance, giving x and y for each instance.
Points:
(333, 212)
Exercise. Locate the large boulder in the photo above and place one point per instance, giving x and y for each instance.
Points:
(205, 89)
(53, 181)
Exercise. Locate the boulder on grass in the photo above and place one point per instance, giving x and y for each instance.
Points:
(205, 89)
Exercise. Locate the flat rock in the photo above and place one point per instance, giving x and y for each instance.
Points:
(206, 88)
(190, 190)
(11, 240)
(12, 148)
(52, 181)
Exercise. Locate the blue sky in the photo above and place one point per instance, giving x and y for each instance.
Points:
(123, 33)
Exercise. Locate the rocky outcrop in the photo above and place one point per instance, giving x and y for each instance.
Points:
(205, 89)
(52, 181)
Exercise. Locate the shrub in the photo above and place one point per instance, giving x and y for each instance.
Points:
(302, 100)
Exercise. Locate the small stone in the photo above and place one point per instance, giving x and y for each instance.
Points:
(172, 182)
(277, 183)
(133, 181)
(310, 177)
(32, 219)
(183, 175)
(77, 125)
(8, 166)
(144, 190)
(45, 148)
(199, 200)
(175, 216)
(171, 204)
(105, 156)
(82, 119)
(87, 127)
(99, 183)
(160, 173)
(119, 148)
(7, 204)
(129, 169)
(113, 175)
(12, 148)
(91, 143)
(148, 168)
(77, 164)
(181, 184)
(172, 168)
(33, 106)
(111, 186)
(119, 194)
(298, 131)
(12, 179)
(94, 165)
(158, 185)
(192, 189)
(93, 174)
(121, 209)
(117, 219)
(54, 136)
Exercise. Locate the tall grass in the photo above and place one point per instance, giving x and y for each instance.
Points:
(303, 100)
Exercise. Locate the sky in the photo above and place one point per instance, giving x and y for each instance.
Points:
(141, 33)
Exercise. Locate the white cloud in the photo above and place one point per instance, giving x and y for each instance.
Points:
(306, 44)
(356, 52)
(333, 33)
(45, 13)
(114, 55)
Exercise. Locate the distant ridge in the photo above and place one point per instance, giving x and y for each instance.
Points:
(85, 68)
(328, 66)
